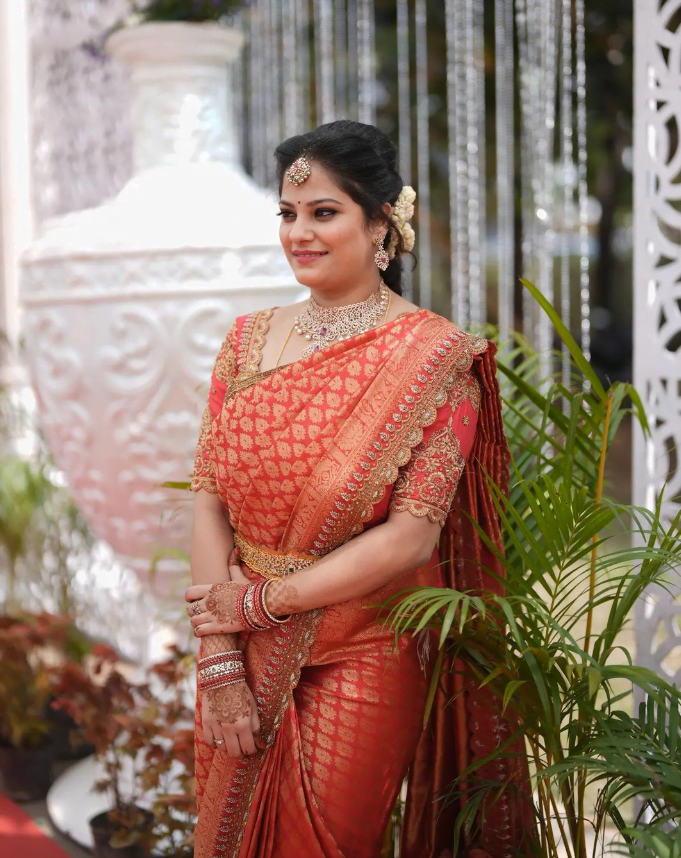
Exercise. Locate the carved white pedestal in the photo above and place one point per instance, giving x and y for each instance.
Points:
(125, 305)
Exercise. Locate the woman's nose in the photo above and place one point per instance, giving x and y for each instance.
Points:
(301, 230)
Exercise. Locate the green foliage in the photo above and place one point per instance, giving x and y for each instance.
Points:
(23, 489)
(43, 536)
(551, 648)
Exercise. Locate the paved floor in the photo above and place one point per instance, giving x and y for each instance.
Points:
(37, 810)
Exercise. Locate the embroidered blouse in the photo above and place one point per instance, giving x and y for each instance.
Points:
(425, 485)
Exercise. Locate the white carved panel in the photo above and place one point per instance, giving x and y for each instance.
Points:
(657, 302)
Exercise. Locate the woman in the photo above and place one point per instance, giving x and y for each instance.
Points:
(331, 462)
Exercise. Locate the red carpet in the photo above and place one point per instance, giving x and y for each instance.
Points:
(20, 837)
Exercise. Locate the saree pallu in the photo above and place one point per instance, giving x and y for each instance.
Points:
(304, 458)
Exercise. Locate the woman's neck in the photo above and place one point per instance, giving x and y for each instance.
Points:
(343, 296)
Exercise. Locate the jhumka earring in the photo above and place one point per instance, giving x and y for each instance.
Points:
(299, 171)
(381, 257)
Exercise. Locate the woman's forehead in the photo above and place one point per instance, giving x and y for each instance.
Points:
(319, 185)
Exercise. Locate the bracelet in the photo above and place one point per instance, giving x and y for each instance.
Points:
(269, 617)
(235, 666)
(219, 657)
(221, 683)
(221, 669)
(219, 675)
(248, 611)
(242, 609)
(252, 611)
(261, 616)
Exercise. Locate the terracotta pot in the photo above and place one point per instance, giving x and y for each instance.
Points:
(103, 829)
(26, 773)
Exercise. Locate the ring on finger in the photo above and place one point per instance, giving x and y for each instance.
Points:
(196, 608)
(219, 741)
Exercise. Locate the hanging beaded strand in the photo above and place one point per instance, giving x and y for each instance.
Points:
(567, 156)
(584, 291)
(503, 24)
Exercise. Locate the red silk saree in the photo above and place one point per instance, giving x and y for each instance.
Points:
(305, 457)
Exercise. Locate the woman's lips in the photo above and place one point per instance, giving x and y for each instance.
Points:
(305, 256)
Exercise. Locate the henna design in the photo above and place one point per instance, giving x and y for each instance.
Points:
(230, 703)
(221, 601)
(215, 644)
(281, 597)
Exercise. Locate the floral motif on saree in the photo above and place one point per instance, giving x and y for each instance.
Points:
(304, 458)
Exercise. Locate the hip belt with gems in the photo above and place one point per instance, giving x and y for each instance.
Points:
(270, 563)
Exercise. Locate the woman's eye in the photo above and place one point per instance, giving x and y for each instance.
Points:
(286, 215)
(324, 212)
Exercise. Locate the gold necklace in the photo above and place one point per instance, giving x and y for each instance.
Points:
(325, 325)
(293, 326)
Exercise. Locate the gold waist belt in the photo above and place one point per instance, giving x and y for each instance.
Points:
(270, 563)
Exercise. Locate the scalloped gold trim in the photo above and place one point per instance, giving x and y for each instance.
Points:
(251, 343)
(378, 468)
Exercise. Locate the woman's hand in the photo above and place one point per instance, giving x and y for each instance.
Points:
(212, 607)
(230, 719)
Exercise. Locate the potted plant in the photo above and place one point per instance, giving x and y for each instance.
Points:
(29, 646)
(168, 772)
(551, 649)
(116, 715)
(142, 732)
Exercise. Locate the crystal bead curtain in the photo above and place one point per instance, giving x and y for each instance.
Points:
(311, 61)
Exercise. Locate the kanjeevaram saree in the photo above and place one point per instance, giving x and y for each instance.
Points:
(405, 416)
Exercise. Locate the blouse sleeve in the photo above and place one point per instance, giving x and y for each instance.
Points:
(427, 483)
(224, 371)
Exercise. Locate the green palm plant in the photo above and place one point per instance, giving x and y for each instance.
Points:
(551, 648)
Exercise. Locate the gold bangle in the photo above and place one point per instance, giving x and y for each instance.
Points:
(265, 609)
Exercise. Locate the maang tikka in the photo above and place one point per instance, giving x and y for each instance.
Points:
(299, 171)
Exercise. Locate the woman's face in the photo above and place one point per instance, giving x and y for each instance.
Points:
(324, 235)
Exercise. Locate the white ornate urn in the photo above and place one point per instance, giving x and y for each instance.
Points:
(125, 305)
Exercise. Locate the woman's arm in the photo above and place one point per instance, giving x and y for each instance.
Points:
(364, 564)
(212, 540)
(211, 544)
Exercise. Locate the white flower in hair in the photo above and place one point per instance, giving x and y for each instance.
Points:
(408, 237)
(402, 213)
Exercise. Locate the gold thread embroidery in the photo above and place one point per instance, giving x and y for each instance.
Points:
(466, 389)
(427, 484)
(250, 348)
(452, 353)
(293, 642)
(203, 476)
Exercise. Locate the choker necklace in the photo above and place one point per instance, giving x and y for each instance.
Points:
(325, 325)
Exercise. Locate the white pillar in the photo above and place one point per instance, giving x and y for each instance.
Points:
(657, 293)
(16, 222)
